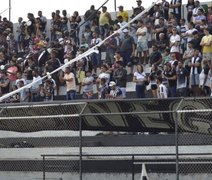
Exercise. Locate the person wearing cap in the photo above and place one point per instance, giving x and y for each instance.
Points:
(127, 47)
(115, 92)
(123, 13)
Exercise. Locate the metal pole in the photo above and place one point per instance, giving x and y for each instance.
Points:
(80, 148)
(133, 170)
(115, 8)
(176, 146)
(9, 10)
(44, 168)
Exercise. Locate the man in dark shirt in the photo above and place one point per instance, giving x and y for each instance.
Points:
(120, 76)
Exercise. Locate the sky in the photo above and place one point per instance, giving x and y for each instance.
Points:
(20, 8)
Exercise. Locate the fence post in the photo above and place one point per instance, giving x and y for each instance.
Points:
(133, 172)
(176, 115)
(80, 148)
(44, 168)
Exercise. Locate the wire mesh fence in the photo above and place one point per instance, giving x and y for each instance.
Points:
(194, 139)
(171, 139)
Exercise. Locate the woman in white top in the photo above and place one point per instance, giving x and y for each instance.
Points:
(140, 79)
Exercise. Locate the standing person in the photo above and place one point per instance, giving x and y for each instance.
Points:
(190, 6)
(171, 75)
(87, 84)
(175, 43)
(154, 73)
(182, 80)
(120, 76)
(103, 91)
(104, 22)
(140, 78)
(204, 78)
(43, 20)
(137, 10)
(162, 90)
(142, 42)
(123, 13)
(95, 57)
(69, 79)
(127, 47)
(206, 44)
(175, 5)
(24, 93)
(195, 65)
(165, 8)
(35, 88)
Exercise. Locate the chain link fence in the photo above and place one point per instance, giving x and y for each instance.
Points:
(194, 139)
(167, 139)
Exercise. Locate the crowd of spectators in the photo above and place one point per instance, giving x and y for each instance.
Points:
(177, 49)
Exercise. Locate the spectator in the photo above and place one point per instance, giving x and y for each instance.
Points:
(162, 90)
(155, 57)
(182, 80)
(48, 90)
(195, 65)
(111, 47)
(165, 8)
(64, 21)
(140, 79)
(175, 43)
(188, 54)
(96, 57)
(15, 98)
(142, 42)
(152, 79)
(103, 91)
(89, 15)
(43, 21)
(69, 79)
(206, 44)
(104, 22)
(87, 84)
(35, 88)
(204, 78)
(171, 75)
(123, 13)
(24, 93)
(175, 5)
(120, 76)
(137, 10)
(190, 6)
(115, 92)
(4, 83)
(127, 47)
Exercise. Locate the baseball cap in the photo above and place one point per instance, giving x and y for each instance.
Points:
(112, 83)
(125, 30)
(121, 7)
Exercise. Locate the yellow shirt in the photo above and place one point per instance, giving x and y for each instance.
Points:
(104, 18)
(124, 14)
(207, 39)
